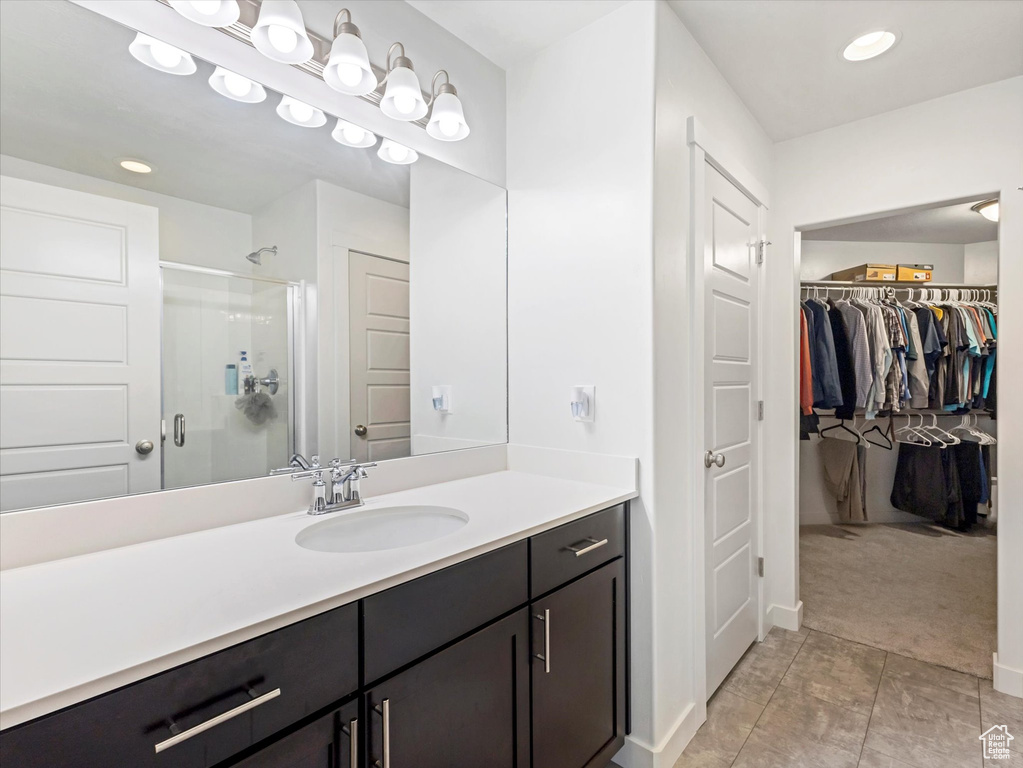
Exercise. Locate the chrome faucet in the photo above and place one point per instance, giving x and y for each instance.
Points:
(297, 461)
(344, 485)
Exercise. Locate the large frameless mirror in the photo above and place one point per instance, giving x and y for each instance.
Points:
(200, 279)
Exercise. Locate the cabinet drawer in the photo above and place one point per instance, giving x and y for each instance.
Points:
(572, 549)
(411, 620)
(253, 690)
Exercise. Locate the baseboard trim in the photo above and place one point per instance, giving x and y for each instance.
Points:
(637, 754)
(1008, 679)
(785, 617)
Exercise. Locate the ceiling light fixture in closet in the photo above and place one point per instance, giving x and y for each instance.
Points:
(161, 56)
(280, 32)
(869, 45)
(988, 209)
(299, 113)
(135, 166)
(209, 13)
(236, 87)
(348, 69)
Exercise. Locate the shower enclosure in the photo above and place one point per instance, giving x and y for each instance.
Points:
(210, 318)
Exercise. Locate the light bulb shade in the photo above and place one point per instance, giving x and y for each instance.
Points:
(161, 56)
(348, 52)
(352, 135)
(398, 154)
(447, 122)
(403, 98)
(209, 13)
(286, 15)
(988, 209)
(227, 83)
(295, 111)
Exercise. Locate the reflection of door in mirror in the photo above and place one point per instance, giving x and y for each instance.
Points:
(217, 428)
(379, 323)
(79, 366)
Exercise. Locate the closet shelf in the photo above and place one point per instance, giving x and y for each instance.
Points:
(896, 284)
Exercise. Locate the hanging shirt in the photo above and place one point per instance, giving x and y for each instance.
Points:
(805, 373)
(825, 353)
(856, 331)
(919, 381)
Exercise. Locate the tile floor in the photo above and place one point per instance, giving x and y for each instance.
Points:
(809, 700)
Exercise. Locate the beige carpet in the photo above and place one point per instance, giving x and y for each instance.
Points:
(915, 589)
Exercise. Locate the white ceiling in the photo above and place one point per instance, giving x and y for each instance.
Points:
(71, 96)
(508, 30)
(783, 57)
(948, 224)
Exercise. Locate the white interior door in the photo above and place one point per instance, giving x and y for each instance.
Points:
(79, 345)
(730, 363)
(379, 327)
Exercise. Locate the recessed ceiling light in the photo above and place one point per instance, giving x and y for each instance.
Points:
(136, 166)
(988, 209)
(869, 45)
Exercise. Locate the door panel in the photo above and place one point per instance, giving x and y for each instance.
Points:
(465, 707)
(323, 743)
(379, 328)
(579, 704)
(730, 300)
(79, 343)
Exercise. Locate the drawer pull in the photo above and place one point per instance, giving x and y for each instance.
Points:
(545, 657)
(581, 550)
(215, 721)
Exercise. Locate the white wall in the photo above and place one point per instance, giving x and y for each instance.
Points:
(345, 220)
(822, 257)
(915, 156)
(190, 233)
(981, 263)
(458, 284)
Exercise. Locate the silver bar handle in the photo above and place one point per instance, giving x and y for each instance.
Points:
(580, 551)
(179, 429)
(215, 721)
(385, 751)
(545, 657)
(353, 742)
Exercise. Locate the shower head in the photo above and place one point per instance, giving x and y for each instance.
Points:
(256, 256)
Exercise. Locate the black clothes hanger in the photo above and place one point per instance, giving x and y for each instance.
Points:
(884, 436)
(841, 425)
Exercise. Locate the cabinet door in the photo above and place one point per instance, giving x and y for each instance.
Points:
(464, 707)
(324, 743)
(579, 684)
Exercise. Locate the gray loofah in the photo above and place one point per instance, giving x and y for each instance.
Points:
(257, 407)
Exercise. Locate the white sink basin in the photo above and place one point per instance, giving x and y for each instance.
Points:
(371, 530)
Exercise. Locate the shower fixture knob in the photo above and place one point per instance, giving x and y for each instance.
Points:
(144, 447)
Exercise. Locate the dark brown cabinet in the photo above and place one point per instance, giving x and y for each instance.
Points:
(579, 683)
(464, 707)
(327, 742)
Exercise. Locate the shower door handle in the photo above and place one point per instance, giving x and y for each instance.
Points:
(179, 429)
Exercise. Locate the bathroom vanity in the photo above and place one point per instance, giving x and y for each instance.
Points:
(515, 657)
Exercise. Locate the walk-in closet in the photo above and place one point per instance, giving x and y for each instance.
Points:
(898, 454)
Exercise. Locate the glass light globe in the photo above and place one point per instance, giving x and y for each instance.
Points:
(449, 126)
(301, 112)
(282, 38)
(205, 7)
(397, 152)
(166, 55)
(238, 85)
(349, 74)
(353, 134)
(405, 103)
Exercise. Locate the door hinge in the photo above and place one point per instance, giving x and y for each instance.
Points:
(760, 566)
(760, 410)
(762, 250)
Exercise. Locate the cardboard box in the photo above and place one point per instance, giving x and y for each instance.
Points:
(868, 273)
(914, 273)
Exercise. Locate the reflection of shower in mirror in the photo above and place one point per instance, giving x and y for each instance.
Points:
(256, 257)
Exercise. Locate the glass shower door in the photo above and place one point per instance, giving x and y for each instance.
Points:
(214, 430)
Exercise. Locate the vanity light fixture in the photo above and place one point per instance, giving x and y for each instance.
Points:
(988, 209)
(280, 32)
(399, 154)
(869, 45)
(352, 135)
(236, 87)
(135, 166)
(403, 98)
(299, 113)
(348, 69)
(447, 121)
(209, 13)
(161, 56)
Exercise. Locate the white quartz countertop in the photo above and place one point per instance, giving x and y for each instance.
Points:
(75, 628)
